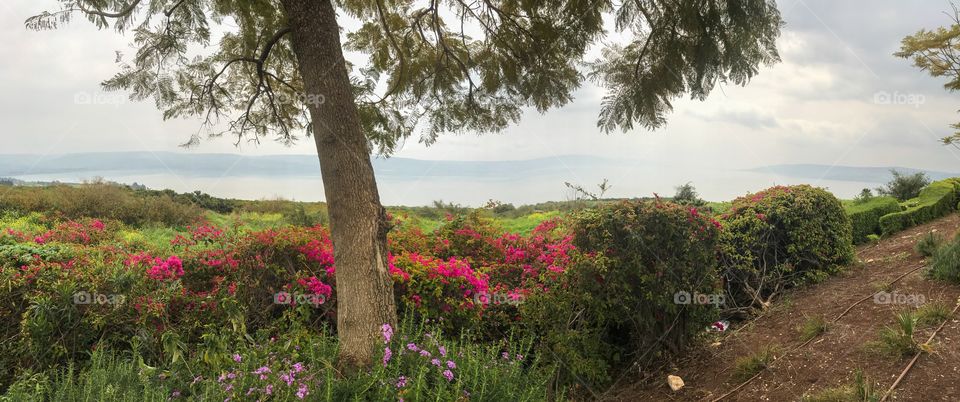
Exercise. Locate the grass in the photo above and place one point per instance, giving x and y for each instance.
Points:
(897, 341)
(861, 390)
(934, 313)
(748, 366)
(945, 263)
(106, 378)
(812, 327)
(928, 244)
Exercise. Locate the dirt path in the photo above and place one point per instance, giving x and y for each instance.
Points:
(833, 357)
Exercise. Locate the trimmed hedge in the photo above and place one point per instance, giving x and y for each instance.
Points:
(779, 238)
(936, 200)
(865, 217)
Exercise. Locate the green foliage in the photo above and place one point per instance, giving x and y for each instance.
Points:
(897, 341)
(687, 195)
(929, 243)
(904, 187)
(934, 201)
(617, 305)
(936, 52)
(213, 372)
(525, 54)
(746, 367)
(781, 237)
(873, 238)
(945, 263)
(861, 390)
(812, 327)
(864, 196)
(865, 215)
(101, 200)
(933, 313)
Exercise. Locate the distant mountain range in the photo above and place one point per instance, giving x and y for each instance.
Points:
(293, 166)
(846, 173)
(233, 165)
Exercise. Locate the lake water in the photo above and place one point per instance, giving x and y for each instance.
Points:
(523, 188)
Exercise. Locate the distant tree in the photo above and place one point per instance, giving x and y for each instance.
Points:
(580, 193)
(687, 195)
(499, 207)
(864, 196)
(278, 69)
(904, 187)
(938, 53)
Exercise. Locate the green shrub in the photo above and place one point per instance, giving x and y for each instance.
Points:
(865, 216)
(934, 201)
(101, 200)
(897, 341)
(928, 244)
(945, 263)
(904, 187)
(781, 237)
(617, 305)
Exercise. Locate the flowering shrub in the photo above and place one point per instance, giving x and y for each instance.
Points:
(781, 237)
(616, 304)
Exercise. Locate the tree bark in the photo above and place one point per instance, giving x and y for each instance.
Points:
(358, 223)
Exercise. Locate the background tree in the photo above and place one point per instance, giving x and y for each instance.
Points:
(904, 186)
(257, 68)
(938, 53)
(687, 195)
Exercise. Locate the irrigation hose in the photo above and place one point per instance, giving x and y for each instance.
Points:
(917, 355)
(807, 342)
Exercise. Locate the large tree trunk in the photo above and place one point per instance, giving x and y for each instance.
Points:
(357, 220)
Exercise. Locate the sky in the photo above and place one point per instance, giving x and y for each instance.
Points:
(823, 104)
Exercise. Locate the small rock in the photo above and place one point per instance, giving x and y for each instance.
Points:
(674, 382)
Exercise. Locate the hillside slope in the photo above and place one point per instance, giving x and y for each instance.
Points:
(831, 359)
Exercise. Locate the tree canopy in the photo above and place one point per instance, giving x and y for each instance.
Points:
(938, 53)
(432, 67)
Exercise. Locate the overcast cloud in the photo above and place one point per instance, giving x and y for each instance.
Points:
(817, 106)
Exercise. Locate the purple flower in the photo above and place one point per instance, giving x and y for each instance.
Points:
(175, 393)
(451, 364)
(387, 353)
(303, 391)
(268, 389)
(519, 357)
(424, 353)
(231, 375)
(401, 382)
(297, 367)
(287, 378)
(413, 347)
(237, 358)
(387, 331)
(262, 371)
(443, 351)
(250, 391)
(448, 375)
(435, 362)
(506, 355)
